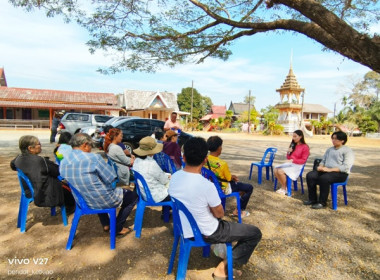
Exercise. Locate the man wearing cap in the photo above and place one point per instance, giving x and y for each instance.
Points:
(156, 179)
(93, 177)
(172, 123)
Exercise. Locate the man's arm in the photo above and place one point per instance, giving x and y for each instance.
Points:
(218, 211)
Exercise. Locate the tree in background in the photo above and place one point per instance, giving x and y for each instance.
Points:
(201, 104)
(145, 34)
(361, 106)
(250, 99)
(270, 114)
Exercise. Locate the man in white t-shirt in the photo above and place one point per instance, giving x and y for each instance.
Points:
(202, 200)
(172, 123)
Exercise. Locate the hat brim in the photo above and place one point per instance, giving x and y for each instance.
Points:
(141, 152)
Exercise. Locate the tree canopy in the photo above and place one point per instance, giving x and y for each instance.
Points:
(146, 34)
(201, 104)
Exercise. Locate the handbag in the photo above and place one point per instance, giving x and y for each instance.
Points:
(317, 161)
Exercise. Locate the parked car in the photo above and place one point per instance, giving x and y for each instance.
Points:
(137, 128)
(73, 122)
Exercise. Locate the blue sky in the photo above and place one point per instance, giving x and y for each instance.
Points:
(45, 53)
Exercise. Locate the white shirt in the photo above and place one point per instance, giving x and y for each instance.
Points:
(198, 195)
(154, 177)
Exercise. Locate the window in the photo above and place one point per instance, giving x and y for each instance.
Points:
(102, 119)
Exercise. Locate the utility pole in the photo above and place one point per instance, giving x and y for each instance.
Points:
(334, 117)
(192, 95)
(249, 111)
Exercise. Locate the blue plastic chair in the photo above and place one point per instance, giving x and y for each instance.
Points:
(83, 209)
(270, 154)
(114, 166)
(142, 203)
(334, 193)
(187, 243)
(165, 162)
(25, 201)
(209, 175)
(289, 183)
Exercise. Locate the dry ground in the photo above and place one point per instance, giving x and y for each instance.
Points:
(298, 242)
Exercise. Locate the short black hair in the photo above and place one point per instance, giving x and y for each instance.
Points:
(159, 134)
(214, 142)
(195, 151)
(340, 135)
(65, 138)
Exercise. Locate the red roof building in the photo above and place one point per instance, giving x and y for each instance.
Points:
(40, 104)
(216, 112)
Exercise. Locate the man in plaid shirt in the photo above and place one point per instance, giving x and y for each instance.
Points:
(93, 178)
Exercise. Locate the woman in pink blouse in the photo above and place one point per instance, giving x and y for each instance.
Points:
(297, 155)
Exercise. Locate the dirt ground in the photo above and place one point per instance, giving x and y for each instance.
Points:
(298, 242)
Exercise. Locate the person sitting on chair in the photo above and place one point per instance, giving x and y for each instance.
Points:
(172, 149)
(93, 178)
(297, 156)
(156, 179)
(222, 172)
(43, 173)
(201, 198)
(63, 148)
(116, 153)
(334, 168)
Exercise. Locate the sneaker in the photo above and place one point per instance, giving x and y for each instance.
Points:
(281, 191)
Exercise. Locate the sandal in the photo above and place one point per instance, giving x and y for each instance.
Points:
(126, 231)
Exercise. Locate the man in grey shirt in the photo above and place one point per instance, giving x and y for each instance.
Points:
(334, 168)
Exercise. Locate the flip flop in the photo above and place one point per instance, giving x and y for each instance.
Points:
(125, 233)
(243, 215)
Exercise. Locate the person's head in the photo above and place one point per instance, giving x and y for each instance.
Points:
(29, 144)
(114, 135)
(82, 141)
(195, 151)
(148, 147)
(171, 136)
(298, 137)
(173, 117)
(64, 138)
(159, 135)
(339, 138)
(214, 144)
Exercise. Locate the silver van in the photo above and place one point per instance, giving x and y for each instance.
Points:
(73, 122)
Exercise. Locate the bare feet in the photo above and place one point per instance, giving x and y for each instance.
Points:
(220, 271)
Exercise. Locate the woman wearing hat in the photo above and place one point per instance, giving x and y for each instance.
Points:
(172, 149)
(156, 179)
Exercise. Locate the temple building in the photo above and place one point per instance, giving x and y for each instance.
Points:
(291, 102)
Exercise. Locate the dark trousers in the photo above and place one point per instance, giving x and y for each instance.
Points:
(129, 201)
(324, 180)
(53, 134)
(242, 187)
(247, 237)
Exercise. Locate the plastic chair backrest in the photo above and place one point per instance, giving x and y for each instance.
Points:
(165, 162)
(272, 153)
(178, 206)
(140, 181)
(112, 164)
(23, 178)
(209, 175)
(78, 198)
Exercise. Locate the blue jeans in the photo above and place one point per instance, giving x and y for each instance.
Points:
(247, 237)
(242, 187)
(129, 201)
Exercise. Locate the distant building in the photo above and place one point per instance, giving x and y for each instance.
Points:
(238, 108)
(290, 105)
(314, 112)
(149, 104)
(216, 112)
(36, 106)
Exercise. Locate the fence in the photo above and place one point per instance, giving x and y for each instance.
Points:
(22, 124)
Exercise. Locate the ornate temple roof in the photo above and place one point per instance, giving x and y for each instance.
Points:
(290, 83)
